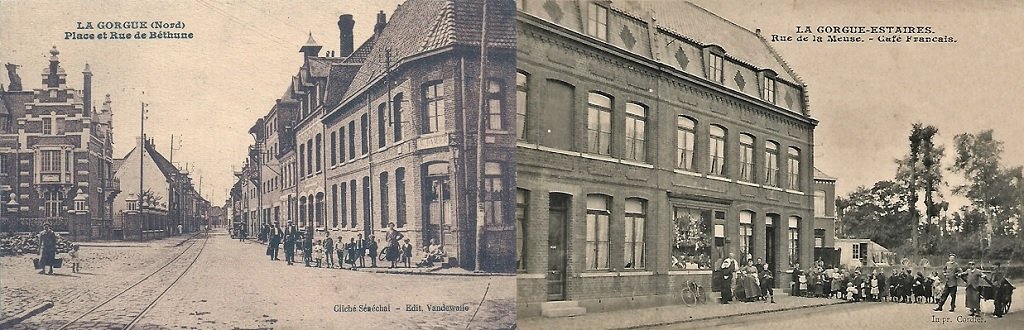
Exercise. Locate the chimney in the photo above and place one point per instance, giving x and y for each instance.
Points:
(345, 25)
(87, 90)
(382, 21)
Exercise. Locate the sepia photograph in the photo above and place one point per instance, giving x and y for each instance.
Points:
(768, 164)
(219, 164)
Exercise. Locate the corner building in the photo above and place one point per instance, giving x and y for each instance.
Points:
(654, 138)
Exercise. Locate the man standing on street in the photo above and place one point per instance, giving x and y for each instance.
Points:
(275, 240)
(950, 272)
(973, 276)
(47, 249)
(307, 246)
(329, 250)
(290, 236)
(1003, 289)
(361, 250)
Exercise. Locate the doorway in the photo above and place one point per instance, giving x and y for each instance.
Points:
(558, 216)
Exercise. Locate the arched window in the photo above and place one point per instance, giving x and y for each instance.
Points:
(771, 166)
(747, 157)
(382, 121)
(686, 132)
(598, 214)
(793, 166)
(364, 137)
(493, 189)
(495, 95)
(636, 132)
(522, 205)
(599, 124)
(636, 231)
(319, 154)
(384, 207)
(716, 150)
(400, 197)
(396, 117)
(522, 92)
(794, 240)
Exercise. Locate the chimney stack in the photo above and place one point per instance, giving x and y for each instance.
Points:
(87, 90)
(381, 23)
(345, 25)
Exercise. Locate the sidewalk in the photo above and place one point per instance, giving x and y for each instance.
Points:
(169, 241)
(675, 314)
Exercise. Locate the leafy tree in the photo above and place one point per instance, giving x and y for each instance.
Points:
(880, 213)
(995, 192)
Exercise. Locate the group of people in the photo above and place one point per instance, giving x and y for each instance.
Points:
(905, 286)
(397, 249)
(749, 282)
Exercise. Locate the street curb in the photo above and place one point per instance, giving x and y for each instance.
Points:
(732, 315)
(7, 322)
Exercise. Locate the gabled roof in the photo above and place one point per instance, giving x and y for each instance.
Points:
(419, 26)
(338, 82)
(116, 164)
(165, 166)
(706, 28)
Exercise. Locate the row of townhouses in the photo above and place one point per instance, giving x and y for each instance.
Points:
(57, 166)
(649, 147)
(413, 127)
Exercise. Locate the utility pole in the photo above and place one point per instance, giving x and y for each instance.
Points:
(480, 139)
(142, 157)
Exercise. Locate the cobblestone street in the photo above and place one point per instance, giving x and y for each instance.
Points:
(233, 285)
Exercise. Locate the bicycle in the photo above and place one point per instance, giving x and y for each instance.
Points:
(693, 294)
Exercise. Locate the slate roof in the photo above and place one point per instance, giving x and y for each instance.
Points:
(116, 164)
(819, 175)
(162, 163)
(338, 82)
(419, 26)
(706, 28)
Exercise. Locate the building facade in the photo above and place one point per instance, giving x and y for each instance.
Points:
(413, 127)
(825, 218)
(169, 197)
(55, 155)
(649, 148)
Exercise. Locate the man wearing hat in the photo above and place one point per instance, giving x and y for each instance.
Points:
(274, 240)
(1003, 290)
(291, 235)
(973, 276)
(950, 271)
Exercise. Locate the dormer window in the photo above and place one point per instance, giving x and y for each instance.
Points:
(768, 90)
(597, 21)
(715, 67)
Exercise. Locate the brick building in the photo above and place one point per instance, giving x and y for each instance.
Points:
(825, 218)
(654, 138)
(387, 132)
(55, 155)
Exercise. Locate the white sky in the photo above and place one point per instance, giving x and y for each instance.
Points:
(208, 90)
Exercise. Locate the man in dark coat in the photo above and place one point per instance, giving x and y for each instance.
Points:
(393, 239)
(950, 271)
(275, 240)
(329, 250)
(291, 235)
(360, 250)
(47, 249)
(307, 246)
(1003, 289)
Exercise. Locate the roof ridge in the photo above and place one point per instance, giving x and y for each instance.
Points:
(721, 18)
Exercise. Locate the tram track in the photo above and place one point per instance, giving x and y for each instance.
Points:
(118, 309)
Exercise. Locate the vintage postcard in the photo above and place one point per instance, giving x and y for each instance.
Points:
(768, 164)
(219, 164)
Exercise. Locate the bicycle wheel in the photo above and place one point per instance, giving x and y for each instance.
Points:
(688, 297)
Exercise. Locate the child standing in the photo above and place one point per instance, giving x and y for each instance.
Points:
(318, 252)
(74, 258)
(874, 287)
(407, 253)
(851, 292)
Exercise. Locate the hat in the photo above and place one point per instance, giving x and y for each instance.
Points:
(970, 262)
(952, 254)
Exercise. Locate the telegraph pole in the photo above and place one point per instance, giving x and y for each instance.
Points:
(480, 139)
